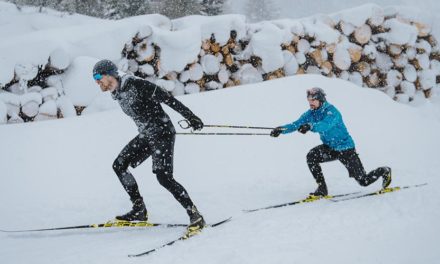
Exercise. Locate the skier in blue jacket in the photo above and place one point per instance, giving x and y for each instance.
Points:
(325, 119)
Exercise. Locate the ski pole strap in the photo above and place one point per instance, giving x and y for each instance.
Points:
(185, 125)
(246, 127)
(224, 134)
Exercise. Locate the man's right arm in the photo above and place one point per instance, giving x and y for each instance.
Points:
(289, 128)
(151, 90)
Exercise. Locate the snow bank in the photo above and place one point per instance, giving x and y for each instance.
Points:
(400, 33)
(3, 113)
(321, 31)
(178, 48)
(79, 85)
(102, 102)
(358, 16)
(219, 26)
(266, 43)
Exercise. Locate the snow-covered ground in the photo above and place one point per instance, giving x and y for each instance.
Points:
(59, 173)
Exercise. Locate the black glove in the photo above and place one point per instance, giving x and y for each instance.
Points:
(304, 128)
(276, 131)
(196, 123)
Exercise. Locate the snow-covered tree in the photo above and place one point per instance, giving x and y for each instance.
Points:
(180, 8)
(66, 6)
(39, 3)
(89, 7)
(257, 10)
(212, 7)
(117, 9)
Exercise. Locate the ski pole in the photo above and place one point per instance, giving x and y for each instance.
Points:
(185, 125)
(224, 134)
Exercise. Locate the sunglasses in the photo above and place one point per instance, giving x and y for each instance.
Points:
(97, 77)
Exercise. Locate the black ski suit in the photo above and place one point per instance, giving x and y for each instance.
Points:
(140, 99)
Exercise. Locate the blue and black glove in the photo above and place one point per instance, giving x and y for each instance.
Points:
(276, 131)
(304, 128)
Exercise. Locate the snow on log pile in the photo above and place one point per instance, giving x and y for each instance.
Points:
(34, 91)
(369, 46)
(385, 49)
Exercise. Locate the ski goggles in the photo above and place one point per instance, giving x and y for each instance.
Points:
(97, 77)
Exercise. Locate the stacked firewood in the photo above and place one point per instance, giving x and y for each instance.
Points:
(361, 54)
(391, 53)
(212, 70)
(36, 92)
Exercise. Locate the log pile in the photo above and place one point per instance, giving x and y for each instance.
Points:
(362, 54)
(35, 91)
(213, 69)
(391, 53)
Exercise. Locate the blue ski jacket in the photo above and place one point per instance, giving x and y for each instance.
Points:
(327, 121)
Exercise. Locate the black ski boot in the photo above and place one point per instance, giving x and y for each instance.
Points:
(386, 177)
(321, 191)
(196, 220)
(138, 213)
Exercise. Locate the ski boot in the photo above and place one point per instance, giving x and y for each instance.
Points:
(138, 213)
(386, 177)
(320, 192)
(197, 223)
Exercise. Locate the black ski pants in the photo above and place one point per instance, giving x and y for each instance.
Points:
(349, 158)
(140, 148)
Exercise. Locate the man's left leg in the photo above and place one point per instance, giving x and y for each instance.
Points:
(163, 168)
(352, 162)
